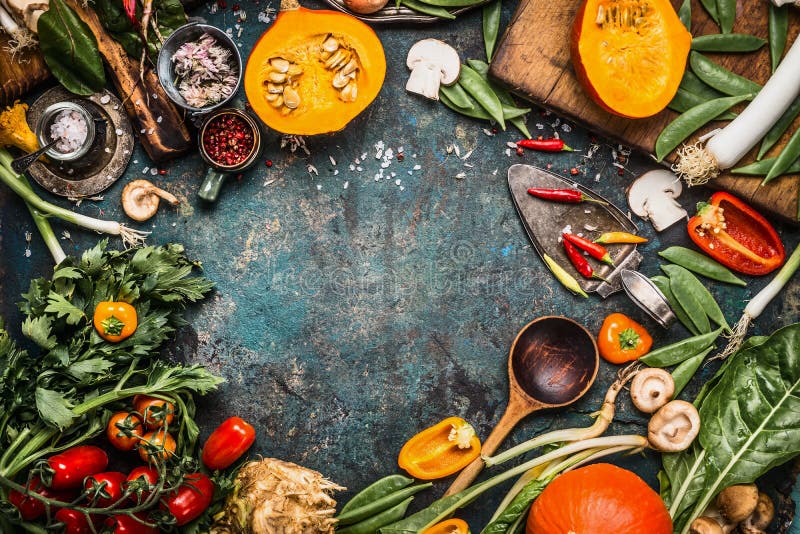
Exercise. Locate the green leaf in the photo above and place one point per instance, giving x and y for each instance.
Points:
(39, 330)
(517, 507)
(94, 366)
(68, 272)
(54, 408)
(167, 14)
(64, 308)
(70, 50)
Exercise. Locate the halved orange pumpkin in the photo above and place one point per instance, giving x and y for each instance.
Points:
(629, 55)
(313, 71)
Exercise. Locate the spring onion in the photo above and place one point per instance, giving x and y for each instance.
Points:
(20, 37)
(19, 185)
(756, 306)
(699, 163)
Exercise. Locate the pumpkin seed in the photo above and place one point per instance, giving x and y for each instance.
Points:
(276, 77)
(351, 66)
(290, 98)
(330, 45)
(274, 89)
(340, 80)
(350, 92)
(278, 102)
(279, 64)
(294, 71)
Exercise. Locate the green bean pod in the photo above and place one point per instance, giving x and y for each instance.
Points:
(519, 124)
(779, 128)
(377, 490)
(372, 524)
(479, 66)
(721, 78)
(778, 23)
(761, 168)
(727, 42)
(491, 26)
(452, 3)
(428, 9)
(684, 372)
(726, 11)
(686, 124)
(456, 94)
(789, 154)
(680, 275)
(711, 7)
(685, 100)
(680, 351)
(690, 302)
(685, 14)
(701, 264)
(662, 283)
(475, 112)
(479, 89)
(693, 84)
(355, 515)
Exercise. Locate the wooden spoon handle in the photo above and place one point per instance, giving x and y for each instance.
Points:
(515, 412)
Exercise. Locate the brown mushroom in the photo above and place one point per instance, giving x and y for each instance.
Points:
(651, 389)
(705, 525)
(140, 199)
(758, 521)
(673, 427)
(365, 7)
(736, 503)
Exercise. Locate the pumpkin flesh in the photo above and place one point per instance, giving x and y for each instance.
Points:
(629, 55)
(598, 499)
(314, 71)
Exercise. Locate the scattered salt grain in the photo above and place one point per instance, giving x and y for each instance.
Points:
(319, 187)
(153, 171)
(336, 172)
(509, 144)
(352, 167)
(461, 175)
(333, 161)
(312, 170)
(105, 99)
(566, 127)
(346, 185)
(159, 119)
(397, 182)
(118, 131)
(488, 132)
(359, 168)
(417, 167)
(144, 171)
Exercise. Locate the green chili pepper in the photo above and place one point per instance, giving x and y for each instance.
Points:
(711, 7)
(475, 112)
(778, 23)
(372, 524)
(676, 353)
(354, 515)
(726, 11)
(684, 372)
(479, 89)
(681, 276)
(761, 168)
(491, 26)
(779, 128)
(727, 42)
(428, 9)
(700, 264)
(721, 78)
(377, 490)
(566, 279)
(662, 283)
(788, 155)
(685, 100)
(693, 84)
(456, 94)
(684, 125)
(685, 14)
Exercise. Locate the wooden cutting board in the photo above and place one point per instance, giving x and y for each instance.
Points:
(19, 73)
(533, 59)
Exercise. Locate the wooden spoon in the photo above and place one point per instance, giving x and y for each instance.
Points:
(552, 363)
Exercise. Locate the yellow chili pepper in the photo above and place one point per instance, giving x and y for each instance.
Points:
(619, 237)
(114, 321)
(441, 450)
(451, 526)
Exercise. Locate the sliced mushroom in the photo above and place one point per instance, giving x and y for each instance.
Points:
(651, 389)
(705, 525)
(365, 7)
(673, 427)
(759, 520)
(652, 197)
(736, 503)
(140, 199)
(432, 63)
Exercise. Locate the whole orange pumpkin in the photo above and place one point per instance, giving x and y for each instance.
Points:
(599, 499)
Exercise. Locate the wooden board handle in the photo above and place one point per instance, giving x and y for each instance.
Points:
(163, 132)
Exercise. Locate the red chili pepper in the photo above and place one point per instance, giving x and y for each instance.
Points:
(736, 235)
(130, 11)
(594, 250)
(573, 196)
(579, 262)
(545, 145)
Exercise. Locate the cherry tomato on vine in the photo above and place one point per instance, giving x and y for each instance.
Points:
(104, 489)
(31, 508)
(125, 524)
(155, 412)
(157, 445)
(191, 499)
(67, 469)
(140, 482)
(228, 443)
(74, 522)
(124, 430)
(114, 321)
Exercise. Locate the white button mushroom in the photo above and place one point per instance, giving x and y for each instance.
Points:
(651, 389)
(652, 196)
(432, 63)
(674, 427)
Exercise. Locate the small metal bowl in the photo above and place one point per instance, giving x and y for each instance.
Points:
(49, 116)
(181, 36)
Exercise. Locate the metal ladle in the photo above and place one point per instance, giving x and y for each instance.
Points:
(552, 363)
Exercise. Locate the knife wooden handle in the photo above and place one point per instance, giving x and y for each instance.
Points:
(163, 132)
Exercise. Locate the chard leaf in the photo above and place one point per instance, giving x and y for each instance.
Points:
(517, 507)
(40, 330)
(63, 308)
(54, 408)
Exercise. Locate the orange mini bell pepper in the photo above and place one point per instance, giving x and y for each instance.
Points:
(441, 450)
(451, 526)
(622, 339)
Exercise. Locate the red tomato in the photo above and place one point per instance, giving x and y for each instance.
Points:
(141, 482)
(74, 522)
(125, 524)
(124, 430)
(191, 499)
(67, 470)
(228, 443)
(104, 489)
(155, 412)
(31, 508)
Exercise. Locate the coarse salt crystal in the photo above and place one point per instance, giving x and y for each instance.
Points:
(70, 130)
(346, 185)
(333, 161)
(144, 171)
(397, 182)
(336, 172)
(319, 187)
(118, 131)
(359, 169)
(105, 99)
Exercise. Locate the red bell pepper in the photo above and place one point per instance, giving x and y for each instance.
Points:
(736, 235)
